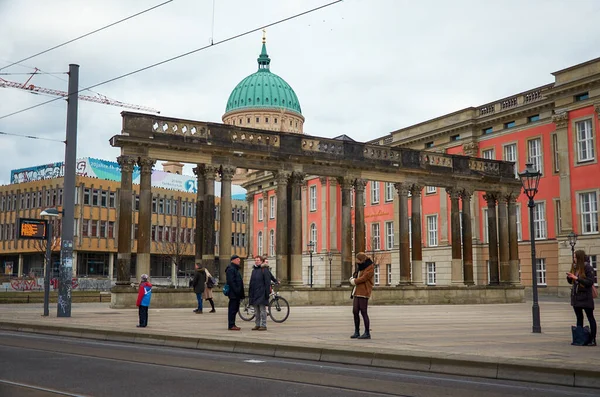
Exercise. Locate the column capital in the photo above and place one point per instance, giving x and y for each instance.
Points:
(453, 192)
(146, 164)
(297, 178)
(323, 180)
(491, 198)
(250, 198)
(209, 171)
(402, 188)
(282, 177)
(561, 119)
(345, 182)
(466, 193)
(126, 162)
(359, 185)
(511, 197)
(416, 190)
(227, 172)
(265, 195)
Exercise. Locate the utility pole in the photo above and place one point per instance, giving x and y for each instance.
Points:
(65, 273)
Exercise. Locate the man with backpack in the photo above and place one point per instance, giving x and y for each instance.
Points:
(236, 291)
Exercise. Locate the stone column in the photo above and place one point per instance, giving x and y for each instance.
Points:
(491, 197)
(417, 242)
(296, 229)
(111, 265)
(208, 233)
(125, 215)
(324, 216)
(144, 242)
(346, 270)
(359, 216)
(503, 239)
(513, 239)
(333, 216)
(404, 244)
(250, 225)
(564, 169)
(467, 237)
(227, 172)
(200, 197)
(456, 267)
(281, 235)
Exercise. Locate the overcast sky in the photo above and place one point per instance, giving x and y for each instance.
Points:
(361, 67)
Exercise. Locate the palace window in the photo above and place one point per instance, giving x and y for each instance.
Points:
(535, 117)
(510, 124)
(389, 191)
(589, 212)
(388, 272)
(581, 97)
(488, 130)
(534, 149)
(539, 221)
(376, 268)
(430, 189)
(555, 154)
(259, 209)
(313, 235)
(259, 243)
(432, 236)
(389, 235)
(375, 237)
(272, 207)
(374, 192)
(585, 141)
(431, 279)
(272, 243)
(488, 154)
(312, 192)
(540, 268)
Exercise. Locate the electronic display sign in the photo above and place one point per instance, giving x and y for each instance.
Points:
(33, 229)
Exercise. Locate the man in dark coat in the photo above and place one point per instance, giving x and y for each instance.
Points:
(198, 284)
(236, 291)
(260, 288)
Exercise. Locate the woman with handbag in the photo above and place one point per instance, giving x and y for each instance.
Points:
(581, 277)
(208, 294)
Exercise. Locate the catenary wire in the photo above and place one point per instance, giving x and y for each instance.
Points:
(237, 36)
(87, 34)
(31, 137)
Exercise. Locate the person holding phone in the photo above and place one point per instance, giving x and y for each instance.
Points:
(581, 277)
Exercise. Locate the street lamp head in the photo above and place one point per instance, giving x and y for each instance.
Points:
(572, 239)
(330, 255)
(51, 212)
(311, 246)
(530, 179)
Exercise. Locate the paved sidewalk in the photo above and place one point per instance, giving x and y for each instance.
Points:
(493, 341)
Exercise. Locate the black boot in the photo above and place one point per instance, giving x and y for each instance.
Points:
(366, 335)
(356, 334)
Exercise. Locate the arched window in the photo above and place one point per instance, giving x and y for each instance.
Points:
(272, 243)
(313, 235)
(259, 243)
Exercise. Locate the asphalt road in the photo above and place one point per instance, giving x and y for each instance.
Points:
(41, 366)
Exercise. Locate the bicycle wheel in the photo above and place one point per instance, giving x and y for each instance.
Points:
(279, 309)
(246, 312)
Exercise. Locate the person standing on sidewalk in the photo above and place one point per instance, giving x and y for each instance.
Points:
(581, 277)
(363, 281)
(258, 292)
(143, 300)
(199, 284)
(208, 294)
(236, 291)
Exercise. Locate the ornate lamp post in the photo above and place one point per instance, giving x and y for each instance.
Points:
(572, 240)
(330, 257)
(311, 249)
(530, 179)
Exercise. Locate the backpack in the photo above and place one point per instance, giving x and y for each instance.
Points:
(581, 335)
(210, 282)
(226, 290)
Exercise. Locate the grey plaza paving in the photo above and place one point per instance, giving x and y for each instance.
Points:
(492, 340)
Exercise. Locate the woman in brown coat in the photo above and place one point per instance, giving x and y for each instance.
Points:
(581, 277)
(363, 281)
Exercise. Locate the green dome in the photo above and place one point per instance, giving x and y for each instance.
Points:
(263, 89)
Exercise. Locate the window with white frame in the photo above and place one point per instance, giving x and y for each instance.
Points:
(376, 268)
(375, 237)
(272, 243)
(540, 268)
(388, 272)
(594, 264)
(272, 207)
(585, 141)
(486, 229)
(259, 243)
(557, 216)
(555, 153)
(539, 221)
(312, 194)
(534, 149)
(510, 154)
(389, 235)
(488, 154)
(519, 235)
(389, 191)
(430, 189)
(374, 192)
(431, 279)
(409, 232)
(259, 209)
(313, 235)
(588, 204)
(432, 235)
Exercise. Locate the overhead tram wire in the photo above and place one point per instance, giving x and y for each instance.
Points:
(32, 137)
(88, 34)
(182, 55)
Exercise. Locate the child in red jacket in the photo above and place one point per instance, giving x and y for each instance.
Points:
(143, 300)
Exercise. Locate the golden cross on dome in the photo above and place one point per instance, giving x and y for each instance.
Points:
(264, 36)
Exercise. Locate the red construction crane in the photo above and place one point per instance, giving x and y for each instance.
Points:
(98, 99)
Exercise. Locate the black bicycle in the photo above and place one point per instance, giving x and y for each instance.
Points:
(278, 309)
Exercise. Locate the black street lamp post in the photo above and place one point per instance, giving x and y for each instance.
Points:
(572, 240)
(330, 257)
(530, 179)
(311, 248)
